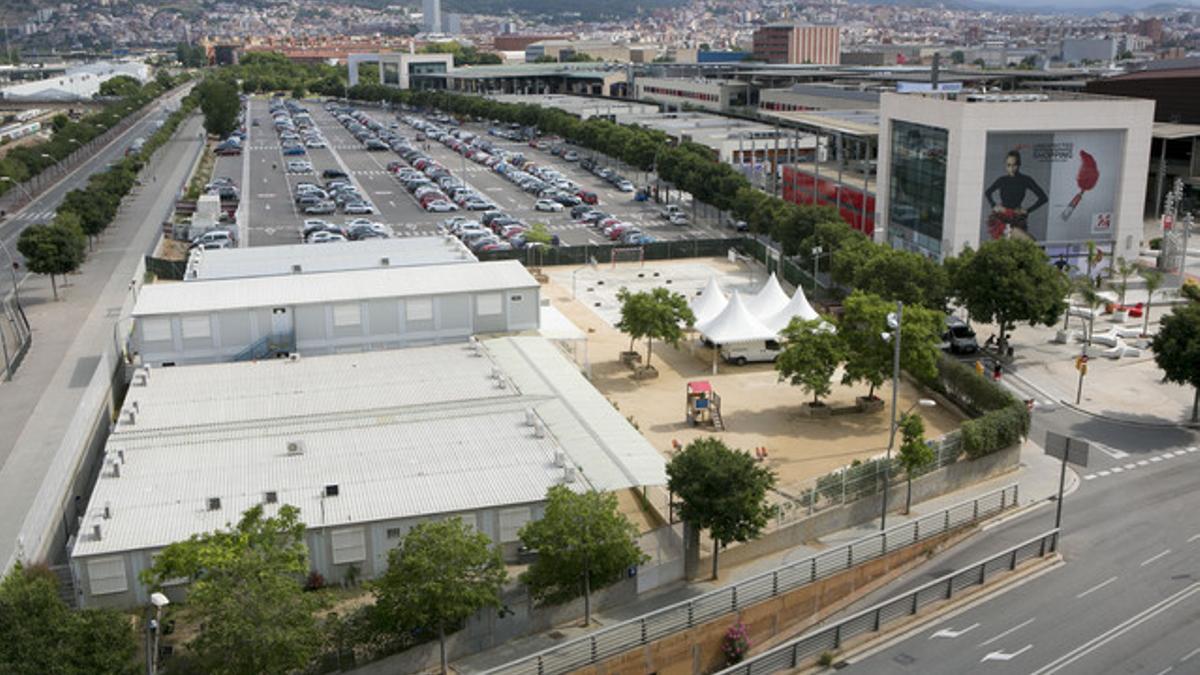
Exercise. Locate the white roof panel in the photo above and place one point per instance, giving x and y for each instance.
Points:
(347, 286)
(259, 261)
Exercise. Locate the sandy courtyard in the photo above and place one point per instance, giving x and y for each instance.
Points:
(757, 409)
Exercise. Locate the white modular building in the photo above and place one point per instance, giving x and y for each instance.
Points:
(366, 445)
(236, 319)
(77, 84)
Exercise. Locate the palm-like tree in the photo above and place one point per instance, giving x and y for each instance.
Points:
(1154, 281)
(1124, 270)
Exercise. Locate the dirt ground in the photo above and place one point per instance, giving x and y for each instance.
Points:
(757, 409)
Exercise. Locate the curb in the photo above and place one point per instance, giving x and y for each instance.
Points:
(1132, 423)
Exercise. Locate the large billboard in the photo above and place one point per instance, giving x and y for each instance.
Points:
(1058, 186)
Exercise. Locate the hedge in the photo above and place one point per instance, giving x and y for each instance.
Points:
(1000, 419)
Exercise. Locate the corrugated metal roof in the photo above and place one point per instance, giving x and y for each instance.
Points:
(260, 261)
(349, 286)
(401, 433)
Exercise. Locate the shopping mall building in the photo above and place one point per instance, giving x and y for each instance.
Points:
(956, 170)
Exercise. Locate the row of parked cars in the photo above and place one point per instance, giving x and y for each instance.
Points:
(295, 127)
(494, 231)
(336, 193)
(318, 231)
(611, 226)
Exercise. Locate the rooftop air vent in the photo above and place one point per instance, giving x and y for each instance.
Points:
(539, 429)
(331, 490)
(107, 510)
(295, 448)
(271, 497)
(214, 503)
(96, 532)
(116, 467)
(568, 474)
(385, 262)
(297, 269)
(530, 417)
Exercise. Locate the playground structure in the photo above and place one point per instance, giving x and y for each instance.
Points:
(703, 405)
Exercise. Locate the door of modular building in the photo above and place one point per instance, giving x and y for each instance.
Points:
(281, 325)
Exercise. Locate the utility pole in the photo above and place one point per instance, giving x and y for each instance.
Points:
(894, 323)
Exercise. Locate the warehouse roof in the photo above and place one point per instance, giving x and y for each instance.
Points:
(346, 286)
(401, 433)
(261, 261)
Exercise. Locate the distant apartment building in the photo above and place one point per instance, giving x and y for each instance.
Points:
(518, 43)
(431, 15)
(701, 94)
(563, 50)
(1082, 50)
(790, 43)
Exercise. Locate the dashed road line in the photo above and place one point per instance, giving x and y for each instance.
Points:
(1151, 559)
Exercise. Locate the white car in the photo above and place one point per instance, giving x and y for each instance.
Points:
(361, 221)
(625, 186)
(295, 166)
(358, 208)
(321, 208)
(440, 206)
(315, 143)
(325, 237)
(548, 205)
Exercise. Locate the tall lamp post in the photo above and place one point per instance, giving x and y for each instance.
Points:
(8, 179)
(894, 322)
(159, 601)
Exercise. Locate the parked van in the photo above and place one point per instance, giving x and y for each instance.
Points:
(759, 351)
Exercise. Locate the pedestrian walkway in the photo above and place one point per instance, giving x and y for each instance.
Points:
(71, 334)
(1037, 477)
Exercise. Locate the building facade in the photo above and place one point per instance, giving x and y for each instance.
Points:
(405, 71)
(1062, 170)
(790, 43)
(431, 15)
(678, 93)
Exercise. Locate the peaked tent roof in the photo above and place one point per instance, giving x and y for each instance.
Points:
(797, 306)
(769, 299)
(710, 302)
(735, 323)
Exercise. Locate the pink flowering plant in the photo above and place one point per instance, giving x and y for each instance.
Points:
(736, 643)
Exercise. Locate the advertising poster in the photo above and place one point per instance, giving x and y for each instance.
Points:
(1057, 186)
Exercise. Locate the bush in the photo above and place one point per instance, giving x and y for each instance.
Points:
(315, 581)
(735, 644)
(1156, 244)
(1001, 420)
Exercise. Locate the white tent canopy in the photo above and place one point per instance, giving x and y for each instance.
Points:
(797, 306)
(710, 302)
(735, 323)
(769, 300)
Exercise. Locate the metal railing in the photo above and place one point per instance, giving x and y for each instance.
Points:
(795, 653)
(613, 640)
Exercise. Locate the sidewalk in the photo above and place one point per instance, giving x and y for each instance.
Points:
(1037, 476)
(70, 335)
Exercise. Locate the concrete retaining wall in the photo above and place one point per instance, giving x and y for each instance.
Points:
(945, 480)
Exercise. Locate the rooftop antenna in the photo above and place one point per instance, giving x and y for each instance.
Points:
(934, 70)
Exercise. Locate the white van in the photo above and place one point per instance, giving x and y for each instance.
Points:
(759, 351)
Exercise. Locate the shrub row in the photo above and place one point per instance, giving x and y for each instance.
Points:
(1000, 419)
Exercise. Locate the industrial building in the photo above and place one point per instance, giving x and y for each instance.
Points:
(265, 261)
(405, 71)
(366, 445)
(584, 108)
(359, 310)
(694, 93)
(77, 83)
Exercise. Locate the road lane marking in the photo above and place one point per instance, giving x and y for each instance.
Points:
(1193, 449)
(1008, 632)
(1156, 459)
(1111, 452)
(1129, 467)
(1190, 654)
(1143, 463)
(1090, 476)
(1166, 670)
(1117, 631)
(951, 633)
(1117, 469)
(1152, 559)
(1105, 473)
(1168, 455)
(1001, 656)
(1095, 588)
(1192, 538)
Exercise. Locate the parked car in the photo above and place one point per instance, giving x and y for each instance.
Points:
(679, 218)
(224, 237)
(358, 208)
(334, 173)
(547, 205)
(959, 338)
(758, 351)
(321, 208)
(440, 206)
(624, 186)
(325, 238)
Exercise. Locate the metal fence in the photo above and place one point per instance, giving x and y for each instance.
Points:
(796, 653)
(857, 481)
(621, 637)
(602, 253)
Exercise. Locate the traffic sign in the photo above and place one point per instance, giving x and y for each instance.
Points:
(1075, 450)
(1168, 221)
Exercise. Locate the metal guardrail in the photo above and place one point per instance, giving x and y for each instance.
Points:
(794, 654)
(618, 638)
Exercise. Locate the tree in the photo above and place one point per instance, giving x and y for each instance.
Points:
(1008, 281)
(903, 275)
(220, 104)
(246, 594)
(869, 357)
(721, 490)
(43, 635)
(657, 313)
(1154, 281)
(810, 356)
(914, 452)
(1177, 349)
(583, 542)
(538, 234)
(957, 57)
(52, 249)
(1124, 269)
(120, 86)
(441, 573)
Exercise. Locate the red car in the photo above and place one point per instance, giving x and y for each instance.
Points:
(587, 197)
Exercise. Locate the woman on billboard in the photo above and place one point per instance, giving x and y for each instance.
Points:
(1011, 216)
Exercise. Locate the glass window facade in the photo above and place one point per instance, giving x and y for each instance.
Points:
(917, 189)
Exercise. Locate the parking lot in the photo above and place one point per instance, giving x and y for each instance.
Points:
(268, 214)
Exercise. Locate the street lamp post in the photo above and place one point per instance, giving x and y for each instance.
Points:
(12, 269)
(159, 601)
(8, 179)
(894, 321)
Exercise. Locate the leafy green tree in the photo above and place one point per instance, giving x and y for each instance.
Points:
(246, 594)
(869, 357)
(957, 57)
(52, 249)
(121, 86)
(441, 573)
(904, 275)
(810, 356)
(852, 255)
(1177, 349)
(1154, 282)
(657, 313)
(583, 542)
(220, 104)
(1123, 270)
(915, 454)
(538, 234)
(43, 635)
(1009, 281)
(721, 490)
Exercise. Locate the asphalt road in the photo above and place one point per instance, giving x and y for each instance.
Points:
(271, 217)
(1126, 601)
(42, 209)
